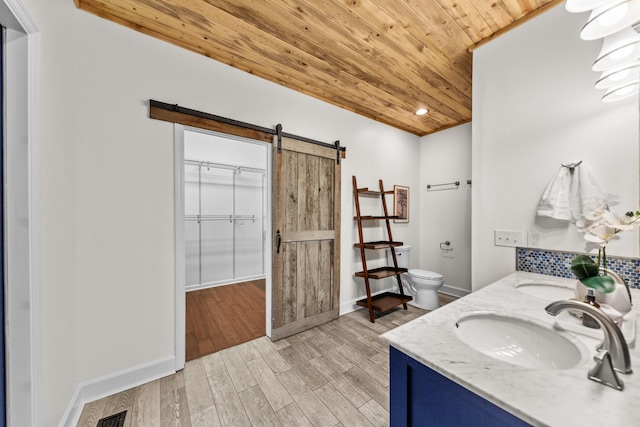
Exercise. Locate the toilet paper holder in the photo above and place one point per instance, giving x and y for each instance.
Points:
(447, 245)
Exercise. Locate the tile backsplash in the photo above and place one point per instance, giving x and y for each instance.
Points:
(558, 263)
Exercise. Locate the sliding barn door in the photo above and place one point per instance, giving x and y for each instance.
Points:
(306, 259)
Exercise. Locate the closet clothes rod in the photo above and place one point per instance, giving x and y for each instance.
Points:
(202, 163)
(229, 218)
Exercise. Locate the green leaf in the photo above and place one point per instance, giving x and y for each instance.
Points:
(604, 284)
(584, 267)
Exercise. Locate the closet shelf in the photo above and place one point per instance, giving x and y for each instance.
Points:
(382, 244)
(229, 218)
(381, 272)
(212, 165)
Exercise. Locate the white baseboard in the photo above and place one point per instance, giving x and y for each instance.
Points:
(453, 291)
(208, 285)
(88, 391)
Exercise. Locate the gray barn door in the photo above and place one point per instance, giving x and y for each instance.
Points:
(306, 245)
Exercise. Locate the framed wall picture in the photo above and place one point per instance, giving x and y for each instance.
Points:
(401, 203)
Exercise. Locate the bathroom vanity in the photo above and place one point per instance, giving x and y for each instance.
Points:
(438, 379)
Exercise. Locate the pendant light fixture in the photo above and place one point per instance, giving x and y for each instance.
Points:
(619, 76)
(610, 18)
(578, 6)
(618, 48)
(621, 92)
(619, 57)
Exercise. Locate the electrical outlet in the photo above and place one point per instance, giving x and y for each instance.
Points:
(533, 239)
(509, 238)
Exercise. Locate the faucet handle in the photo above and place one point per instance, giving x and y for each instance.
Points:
(603, 372)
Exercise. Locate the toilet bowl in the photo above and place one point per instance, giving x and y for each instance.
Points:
(421, 284)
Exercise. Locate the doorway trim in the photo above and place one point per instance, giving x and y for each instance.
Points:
(24, 330)
(180, 309)
(180, 287)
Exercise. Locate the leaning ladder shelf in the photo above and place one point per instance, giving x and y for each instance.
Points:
(386, 301)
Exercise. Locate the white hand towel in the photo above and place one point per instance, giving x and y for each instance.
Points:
(568, 193)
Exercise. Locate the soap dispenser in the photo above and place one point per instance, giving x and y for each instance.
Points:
(587, 320)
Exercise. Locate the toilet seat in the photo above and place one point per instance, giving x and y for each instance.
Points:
(425, 274)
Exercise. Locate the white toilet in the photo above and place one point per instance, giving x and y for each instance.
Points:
(421, 284)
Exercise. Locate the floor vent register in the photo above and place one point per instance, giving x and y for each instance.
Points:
(116, 420)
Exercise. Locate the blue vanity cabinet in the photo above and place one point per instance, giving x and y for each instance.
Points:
(419, 396)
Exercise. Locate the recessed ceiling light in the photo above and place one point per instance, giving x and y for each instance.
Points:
(421, 112)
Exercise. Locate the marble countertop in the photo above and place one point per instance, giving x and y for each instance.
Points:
(540, 397)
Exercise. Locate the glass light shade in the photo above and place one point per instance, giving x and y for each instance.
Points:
(611, 18)
(619, 76)
(577, 6)
(618, 48)
(621, 92)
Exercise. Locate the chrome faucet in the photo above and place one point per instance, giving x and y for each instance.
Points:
(614, 355)
(618, 278)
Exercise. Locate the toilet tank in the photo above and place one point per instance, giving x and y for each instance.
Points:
(402, 256)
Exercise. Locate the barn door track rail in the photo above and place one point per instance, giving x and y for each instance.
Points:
(155, 105)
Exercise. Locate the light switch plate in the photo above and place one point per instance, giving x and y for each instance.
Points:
(509, 238)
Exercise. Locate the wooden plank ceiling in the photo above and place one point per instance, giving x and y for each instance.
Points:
(382, 59)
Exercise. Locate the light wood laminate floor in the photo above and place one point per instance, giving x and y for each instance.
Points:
(336, 374)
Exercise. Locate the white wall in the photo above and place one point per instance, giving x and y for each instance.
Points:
(107, 179)
(445, 211)
(534, 107)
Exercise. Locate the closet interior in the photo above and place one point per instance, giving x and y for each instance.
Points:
(225, 205)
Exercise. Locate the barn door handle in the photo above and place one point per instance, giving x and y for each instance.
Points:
(278, 241)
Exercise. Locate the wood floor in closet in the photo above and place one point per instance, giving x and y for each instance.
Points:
(224, 316)
(336, 374)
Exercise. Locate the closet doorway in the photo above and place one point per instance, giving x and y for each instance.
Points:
(225, 220)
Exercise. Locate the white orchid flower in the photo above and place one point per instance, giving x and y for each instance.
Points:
(614, 221)
(601, 226)
(601, 235)
(603, 201)
(599, 205)
(584, 225)
(595, 215)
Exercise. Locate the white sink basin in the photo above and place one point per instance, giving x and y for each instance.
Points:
(520, 340)
(547, 291)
